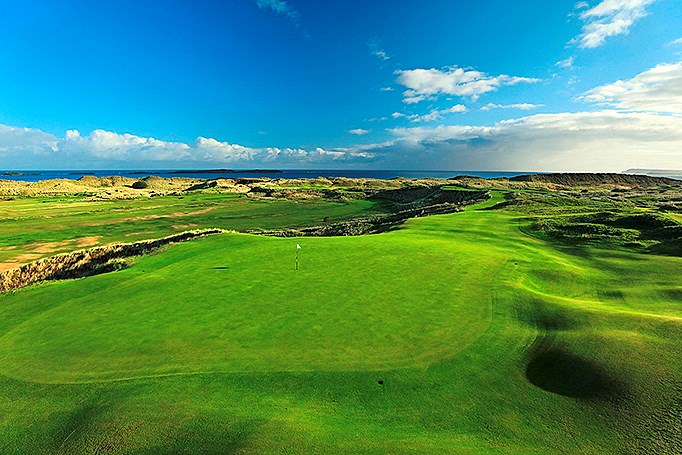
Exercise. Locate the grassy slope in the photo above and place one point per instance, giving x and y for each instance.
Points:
(27, 223)
(219, 345)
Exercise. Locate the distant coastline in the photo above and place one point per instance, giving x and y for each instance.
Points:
(671, 173)
(210, 174)
(229, 171)
(36, 175)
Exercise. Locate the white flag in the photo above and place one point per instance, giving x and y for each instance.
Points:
(298, 247)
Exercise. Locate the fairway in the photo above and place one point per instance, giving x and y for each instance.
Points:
(377, 344)
(31, 228)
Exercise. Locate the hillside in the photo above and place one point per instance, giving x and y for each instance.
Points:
(573, 179)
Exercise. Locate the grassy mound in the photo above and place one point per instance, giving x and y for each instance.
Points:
(657, 232)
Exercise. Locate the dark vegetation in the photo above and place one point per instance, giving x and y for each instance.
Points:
(574, 179)
(404, 204)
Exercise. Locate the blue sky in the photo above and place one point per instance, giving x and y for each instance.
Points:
(486, 85)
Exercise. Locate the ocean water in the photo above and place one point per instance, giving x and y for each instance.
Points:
(33, 176)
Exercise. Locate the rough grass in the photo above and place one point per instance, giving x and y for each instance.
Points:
(454, 334)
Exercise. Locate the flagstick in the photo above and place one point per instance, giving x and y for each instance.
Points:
(297, 259)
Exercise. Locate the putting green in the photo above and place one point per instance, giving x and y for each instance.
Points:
(234, 303)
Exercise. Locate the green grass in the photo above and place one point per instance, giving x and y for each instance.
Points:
(487, 341)
(27, 223)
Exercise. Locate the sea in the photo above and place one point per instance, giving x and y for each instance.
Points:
(34, 176)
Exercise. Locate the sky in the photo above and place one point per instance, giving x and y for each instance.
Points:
(486, 85)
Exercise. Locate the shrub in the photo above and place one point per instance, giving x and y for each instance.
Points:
(140, 185)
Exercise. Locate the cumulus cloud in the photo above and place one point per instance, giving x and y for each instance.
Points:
(113, 146)
(657, 89)
(609, 18)
(425, 84)
(15, 140)
(280, 7)
(24, 148)
(520, 106)
(358, 132)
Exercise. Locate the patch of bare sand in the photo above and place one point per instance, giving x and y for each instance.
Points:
(48, 247)
(184, 226)
(4, 266)
(140, 233)
(18, 261)
(88, 241)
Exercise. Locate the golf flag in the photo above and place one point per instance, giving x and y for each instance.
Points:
(298, 247)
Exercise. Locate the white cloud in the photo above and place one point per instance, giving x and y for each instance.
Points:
(520, 106)
(424, 84)
(676, 42)
(209, 149)
(358, 132)
(24, 148)
(381, 55)
(15, 140)
(657, 89)
(377, 51)
(436, 114)
(585, 141)
(431, 116)
(108, 145)
(386, 89)
(280, 7)
(609, 18)
(566, 63)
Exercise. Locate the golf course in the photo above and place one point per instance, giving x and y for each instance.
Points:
(466, 332)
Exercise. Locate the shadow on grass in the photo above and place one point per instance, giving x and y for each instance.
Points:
(566, 374)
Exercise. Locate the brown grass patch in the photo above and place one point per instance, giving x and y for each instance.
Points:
(171, 215)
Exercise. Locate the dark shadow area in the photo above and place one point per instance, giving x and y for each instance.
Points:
(74, 425)
(498, 206)
(673, 294)
(539, 315)
(224, 267)
(566, 374)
